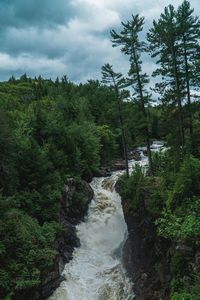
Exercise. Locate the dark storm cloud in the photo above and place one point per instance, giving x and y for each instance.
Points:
(33, 40)
(32, 26)
(39, 13)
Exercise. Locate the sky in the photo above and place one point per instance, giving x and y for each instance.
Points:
(69, 37)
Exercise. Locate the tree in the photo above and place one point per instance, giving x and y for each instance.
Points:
(189, 31)
(133, 47)
(117, 83)
(163, 42)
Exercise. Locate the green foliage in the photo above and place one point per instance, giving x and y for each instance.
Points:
(108, 144)
(179, 220)
(179, 264)
(159, 162)
(130, 189)
(83, 148)
(186, 184)
(156, 197)
(8, 297)
(25, 253)
(181, 296)
(80, 197)
(182, 228)
(186, 288)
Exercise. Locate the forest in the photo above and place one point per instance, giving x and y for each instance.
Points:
(53, 130)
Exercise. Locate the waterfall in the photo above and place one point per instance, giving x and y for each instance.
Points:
(96, 271)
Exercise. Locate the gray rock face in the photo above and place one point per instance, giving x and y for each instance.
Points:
(144, 254)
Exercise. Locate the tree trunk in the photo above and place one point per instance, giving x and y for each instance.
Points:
(149, 154)
(180, 114)
(144, 114)
(188, 87)
(122, 128)
(125, 150)
(123, 138)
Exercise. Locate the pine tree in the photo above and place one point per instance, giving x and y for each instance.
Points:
(133, 47)
(189, 32)
(163, 39)
(117, 83)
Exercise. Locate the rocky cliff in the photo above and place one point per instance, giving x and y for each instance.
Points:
(145, 254)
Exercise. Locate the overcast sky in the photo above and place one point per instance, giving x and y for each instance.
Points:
(69, 37)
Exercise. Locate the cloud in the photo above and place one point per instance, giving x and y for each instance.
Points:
(31, 64)
(69, 37)
(38, 13)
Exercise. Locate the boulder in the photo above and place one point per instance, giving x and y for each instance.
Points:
(76, 198)
(135, 154)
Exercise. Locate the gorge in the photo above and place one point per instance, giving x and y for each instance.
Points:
(96, 270)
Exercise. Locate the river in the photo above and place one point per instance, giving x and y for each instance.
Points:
(96, 271)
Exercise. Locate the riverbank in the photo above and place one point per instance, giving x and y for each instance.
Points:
(161, 253)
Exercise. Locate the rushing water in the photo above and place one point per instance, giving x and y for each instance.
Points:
(96, 271)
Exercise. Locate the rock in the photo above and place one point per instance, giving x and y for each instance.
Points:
(118, 165)
(68, 192)
(145, 152)
(103, 172)
(142, 280)
(73, 208)
(135, 154)
(145, 253)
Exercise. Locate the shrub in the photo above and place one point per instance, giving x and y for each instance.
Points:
(130, 188)
(186, 184)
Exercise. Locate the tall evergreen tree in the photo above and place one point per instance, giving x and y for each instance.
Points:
(163, 39)
(117, 83)
(189, 32)
(133, 47)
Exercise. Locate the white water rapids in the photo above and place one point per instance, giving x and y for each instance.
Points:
(96, 271)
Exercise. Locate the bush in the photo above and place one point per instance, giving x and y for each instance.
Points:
(181, 228)
(186, 184)
(130, 188)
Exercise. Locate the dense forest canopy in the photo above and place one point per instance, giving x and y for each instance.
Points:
(54, 130)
